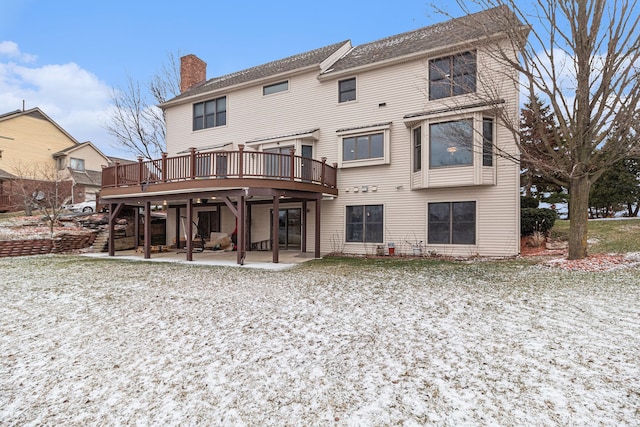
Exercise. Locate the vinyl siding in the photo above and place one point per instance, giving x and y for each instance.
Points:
(384, 95)
(34, 141)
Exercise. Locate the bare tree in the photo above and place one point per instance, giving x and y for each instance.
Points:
(40, 187)
(582, 57)
(137, 123)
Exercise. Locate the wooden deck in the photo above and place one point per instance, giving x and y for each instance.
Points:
(220, 170)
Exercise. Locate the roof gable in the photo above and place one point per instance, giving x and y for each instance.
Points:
(427, 39)
(79, 146)
(38, 114)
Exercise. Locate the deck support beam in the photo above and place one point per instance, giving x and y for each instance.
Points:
(275, 224)
(114, 211)
(189, 230)
(318, 206)
(147, 229)
(242, 231)
(303, 237)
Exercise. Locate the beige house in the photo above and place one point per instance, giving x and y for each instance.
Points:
(33, 147)
(394, 146)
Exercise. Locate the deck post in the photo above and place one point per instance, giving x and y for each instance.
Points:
(275, 228)
(112, 228)
(323, 171)
(177, 209)
(164, 167)
(192, 162)
(136, 225)
(240, 160)
(147, 230)
(303, 218)
(317, 242)
(241, 236)
(115, 171)
(292, 164)
(189, 230)
(140, 174)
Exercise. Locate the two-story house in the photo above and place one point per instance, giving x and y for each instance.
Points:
(35, 149)
(394, 144)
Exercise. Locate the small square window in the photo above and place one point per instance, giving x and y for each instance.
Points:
(76, 164)
(347, 90)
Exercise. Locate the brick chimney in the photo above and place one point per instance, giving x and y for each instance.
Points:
(193, 71)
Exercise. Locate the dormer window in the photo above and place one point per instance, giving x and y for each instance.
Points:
(76, 164)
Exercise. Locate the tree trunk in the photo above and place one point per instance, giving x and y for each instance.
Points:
(579, 214)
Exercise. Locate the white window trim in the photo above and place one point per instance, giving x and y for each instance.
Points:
(430, 246)
(275, 84)
(362, 246)
(384, 160)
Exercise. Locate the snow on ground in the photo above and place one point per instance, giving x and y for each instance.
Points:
(101, 342)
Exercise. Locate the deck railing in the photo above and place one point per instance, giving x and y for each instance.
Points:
(221, 165)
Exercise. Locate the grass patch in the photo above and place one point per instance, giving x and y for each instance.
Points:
(606, 236)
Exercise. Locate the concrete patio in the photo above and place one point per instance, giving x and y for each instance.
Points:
(254, 259)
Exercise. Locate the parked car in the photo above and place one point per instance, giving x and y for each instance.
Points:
(89, 206)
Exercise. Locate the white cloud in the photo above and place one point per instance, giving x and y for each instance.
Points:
(74, 98)
(10, 49)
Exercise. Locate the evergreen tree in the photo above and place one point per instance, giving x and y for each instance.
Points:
(538, 136)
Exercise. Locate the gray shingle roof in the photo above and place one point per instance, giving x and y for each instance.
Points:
(6, 175)
(466, 28)
(87, 177)
(292, 63)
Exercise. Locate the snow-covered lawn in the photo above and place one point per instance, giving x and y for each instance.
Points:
(104, 342)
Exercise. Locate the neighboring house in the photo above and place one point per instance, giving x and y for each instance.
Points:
(34, 149)
(83, 164)
(354, 149)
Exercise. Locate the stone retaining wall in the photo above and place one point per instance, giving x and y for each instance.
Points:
(61, 244)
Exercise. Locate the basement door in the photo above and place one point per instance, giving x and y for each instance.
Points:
(289, 228)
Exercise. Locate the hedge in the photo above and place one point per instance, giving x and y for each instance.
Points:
(536, 219)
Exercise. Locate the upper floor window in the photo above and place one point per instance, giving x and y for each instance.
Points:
(363, 147)
(417, 149)
(76, 164)
(275, 88)
(451, 143)
(210, 113)
(487, 141)
(347, 90)
(452, 75)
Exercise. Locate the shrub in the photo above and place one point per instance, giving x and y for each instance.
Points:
(528, 202)
(536, 219)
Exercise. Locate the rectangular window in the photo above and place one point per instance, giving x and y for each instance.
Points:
(210, 113)
(451, 143)
(487, 142)
(275, 88)
(452, 75)
(347, 90)
(363, 147)
(452, 223)
(417, 149)
(364, 224)
(76, 164)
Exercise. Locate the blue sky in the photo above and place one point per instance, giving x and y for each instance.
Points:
(66, 56)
